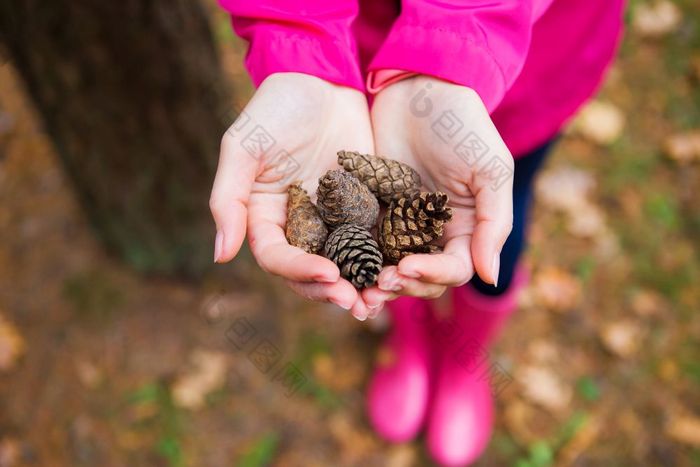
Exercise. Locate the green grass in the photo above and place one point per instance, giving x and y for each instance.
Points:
(261, 453)
(166, 422)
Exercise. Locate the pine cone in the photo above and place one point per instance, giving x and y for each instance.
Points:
(411, 223)
(386, 178)
(356, 254)
(343, 199)
(305, 228)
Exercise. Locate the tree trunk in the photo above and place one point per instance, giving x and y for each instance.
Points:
(131, 94)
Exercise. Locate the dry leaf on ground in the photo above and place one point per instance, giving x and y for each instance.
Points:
(684, 429)
(544, 387)
(11, 345)
(587, 222)
(580, 442)
(683, 147)
(647, 303)
(542, 351)
(557, 289)
(403, 455)
(339, 374)
(656, 18)
(621, 338)
(599, 122)
(353, 441)
(564, 188)
(88, 373)
(526, 423)
(207, 373)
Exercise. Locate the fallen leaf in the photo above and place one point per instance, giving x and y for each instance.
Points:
(338, 374)
(215, 308)
(647, 303)
(525, 423)
(565, 188)
(606, 245)
(683, 147)
(353, 441)
(543, 387)
(656, 19)
(88, 374)
(11, 345)
(556, 289)
(668, 370)
(403, 455)
(207, 373)
(587, 222)
(684, 429)
(599, 122)
(622, 338)
(542, 351)
(581, 441)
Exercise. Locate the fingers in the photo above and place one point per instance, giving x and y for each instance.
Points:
(390, 280)
(494, 221)
(453, 267)
(361, 311)
(341, 292)
(375, 298)
(274, 254)
(229, 197)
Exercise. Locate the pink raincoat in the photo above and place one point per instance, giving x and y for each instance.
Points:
(533, 62)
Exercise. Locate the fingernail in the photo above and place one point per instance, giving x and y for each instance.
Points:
(326, 279)
(391, 286)
(361, 318)
(342, 305)
(374, 310)
(374, 307)
(218, 245)
(496, 268)
(411, 274)
(391, 283)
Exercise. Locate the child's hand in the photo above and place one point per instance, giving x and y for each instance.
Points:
(445, 132)
(290, 130)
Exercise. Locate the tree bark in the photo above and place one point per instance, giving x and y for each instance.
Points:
(131, 94)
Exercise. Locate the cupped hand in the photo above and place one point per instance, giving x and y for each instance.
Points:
(290, 130)
(444, 131)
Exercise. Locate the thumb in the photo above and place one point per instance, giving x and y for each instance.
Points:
(229, 197)
(493, 186)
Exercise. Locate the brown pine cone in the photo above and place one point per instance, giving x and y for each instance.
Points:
(343, 199)
(305, 228)
(411, 223)
(386, 178)
(356, 254)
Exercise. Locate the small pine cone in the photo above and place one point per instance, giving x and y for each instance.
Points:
(343, 199)
(305, 228)
(411, 223)
(386, 178)
(356, 254)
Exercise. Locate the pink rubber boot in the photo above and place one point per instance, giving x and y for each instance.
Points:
(461, 414)
(399, 391)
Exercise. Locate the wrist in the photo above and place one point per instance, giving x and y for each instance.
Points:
(423, 94)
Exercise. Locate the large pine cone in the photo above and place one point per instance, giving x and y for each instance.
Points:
(411, 223)
(343, 199)
(356, 254)
(305, 228)
(386, 178)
